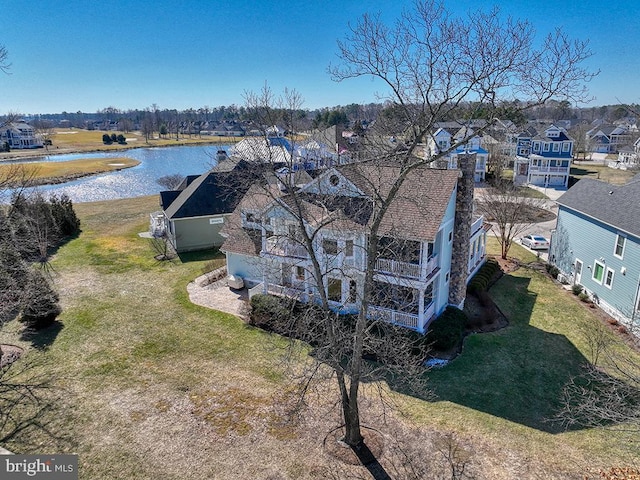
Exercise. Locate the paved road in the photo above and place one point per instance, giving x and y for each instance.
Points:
(543, 228)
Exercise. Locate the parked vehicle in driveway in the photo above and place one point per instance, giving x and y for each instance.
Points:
(535, 242)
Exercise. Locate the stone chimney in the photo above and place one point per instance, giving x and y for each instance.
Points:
(462, 231)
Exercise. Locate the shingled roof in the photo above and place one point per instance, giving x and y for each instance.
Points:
(420, 204)
(215, 192)
(615, 205)
(416, 212)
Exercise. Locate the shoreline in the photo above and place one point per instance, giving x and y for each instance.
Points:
(37, 153)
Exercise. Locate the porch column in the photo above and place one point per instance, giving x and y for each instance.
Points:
(421, 318)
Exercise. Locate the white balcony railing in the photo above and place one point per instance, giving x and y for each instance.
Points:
(388, 315)
(477, 225)
(284, 247)
(409, 320)
(403, 269)
(279, 290)
(538, 169)
(406, 269)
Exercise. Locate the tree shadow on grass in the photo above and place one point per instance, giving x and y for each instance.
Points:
(43, 338)
(30, 409)
(200, 255)
(518, 373)
(582, 172)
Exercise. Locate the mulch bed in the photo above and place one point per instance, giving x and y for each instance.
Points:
(10, 353)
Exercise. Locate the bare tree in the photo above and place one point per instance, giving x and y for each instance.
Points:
(170, 182)
(45, 129)
(429, 63)
(4, 59)
(607, 394)
(509, 211)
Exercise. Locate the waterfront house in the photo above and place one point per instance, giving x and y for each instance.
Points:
(193, 215)
(20, 135)
(429, 243)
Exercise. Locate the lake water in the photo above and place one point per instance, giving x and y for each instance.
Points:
(136, 181)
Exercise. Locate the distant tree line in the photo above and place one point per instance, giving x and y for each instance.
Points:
(153, 119)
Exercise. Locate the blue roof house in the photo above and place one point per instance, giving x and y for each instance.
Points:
(596, 244)
(545, 159)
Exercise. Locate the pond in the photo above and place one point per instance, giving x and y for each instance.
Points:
(136, 181)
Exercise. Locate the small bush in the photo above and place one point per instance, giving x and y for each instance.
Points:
(576, 289)
(482, 279)
(445, 332)
(584, 297)
(42, 306)
(552, 270)
(268, 311)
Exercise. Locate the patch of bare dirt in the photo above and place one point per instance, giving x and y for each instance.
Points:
(10, 353)
(507, 265)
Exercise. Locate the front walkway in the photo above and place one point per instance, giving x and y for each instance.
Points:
(218, 296)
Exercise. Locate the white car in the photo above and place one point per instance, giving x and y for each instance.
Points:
(535, 242)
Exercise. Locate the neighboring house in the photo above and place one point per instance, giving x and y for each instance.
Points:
(628, 157)
(442, 140)
(193, 215)
(325, 148)
(596, 244)
(227, 130)
(19, 135)
(425, 255)
(608, 138)
(543, 159)
(274, 150)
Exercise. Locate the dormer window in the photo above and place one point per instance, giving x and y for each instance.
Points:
(252, 217)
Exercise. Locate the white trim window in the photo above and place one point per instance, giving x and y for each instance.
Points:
(330, 246)
(620, 244)
(334, 289)
(348, 248)
(608, 278)
(556, 147)
(566, 146)
(598, 272)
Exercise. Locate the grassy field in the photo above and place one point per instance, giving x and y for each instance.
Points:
(77, 140)
(601, 172)
(147, 385)
(58, 172)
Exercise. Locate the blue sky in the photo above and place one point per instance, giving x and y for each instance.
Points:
(88, 55)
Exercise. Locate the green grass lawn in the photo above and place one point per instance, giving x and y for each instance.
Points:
(58, 172)
(146, 382)
(601, 172)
